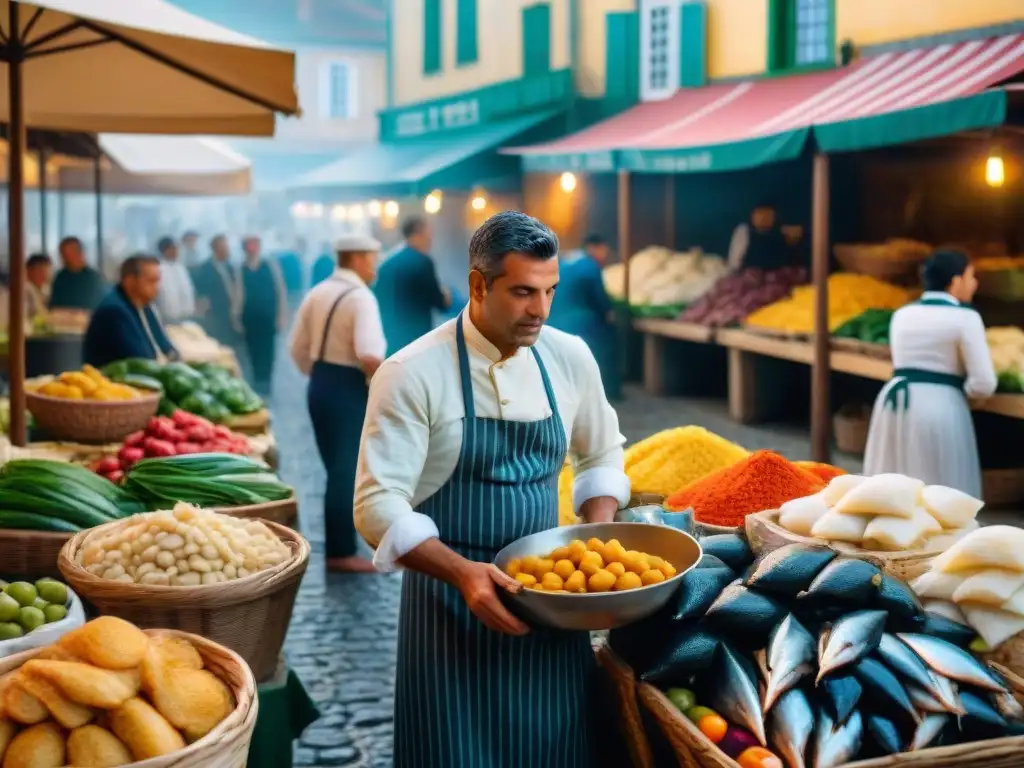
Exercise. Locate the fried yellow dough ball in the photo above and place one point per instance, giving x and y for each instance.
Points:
(526, 579)
(653, 576)
(513, 568)
(576, 551)
(564, 568)
(601, 581)
(544, 565)
(562, 553)
(529, 565)
(577, 582)
(591, 563)
(626, 581)
(616, 568)
(614, 552)
(552, 581)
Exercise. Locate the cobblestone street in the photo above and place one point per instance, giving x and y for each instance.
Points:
(342, 640)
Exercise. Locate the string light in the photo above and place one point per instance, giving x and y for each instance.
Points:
(339, 213)
(479, 203)
(995, 171)
(568, 181)
(432, 203)
(356, 213)
(316, 211)
(391, 209)
(374, 209)
(299, 210)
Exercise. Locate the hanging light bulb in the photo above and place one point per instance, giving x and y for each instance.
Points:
(316, 211)
(432, 203)
(479, 203)
(391, 209)
(299, 210)
(339, 213)
(568, 181)
(373, 208)
(995, 171)
(356, 213)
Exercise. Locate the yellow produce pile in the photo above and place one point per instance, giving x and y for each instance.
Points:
(594, 566)
(1006, 345)
(663, 464)
(998, 263)
(87, 384)
(849, 295)
(107, 694)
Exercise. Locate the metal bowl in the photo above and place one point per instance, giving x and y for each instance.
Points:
(601, 610)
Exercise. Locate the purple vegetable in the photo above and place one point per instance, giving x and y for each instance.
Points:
(736, 740)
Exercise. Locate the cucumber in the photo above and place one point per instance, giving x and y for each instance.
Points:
(199, 465)
(15, 519)
(46, 500)
(44, 469)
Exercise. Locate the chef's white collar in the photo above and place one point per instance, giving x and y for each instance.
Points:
(476, 340)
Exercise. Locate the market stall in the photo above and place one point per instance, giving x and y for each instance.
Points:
(719, 133)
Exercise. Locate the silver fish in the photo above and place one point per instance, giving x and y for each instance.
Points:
(734, 693)
(952, 662)
(927, 731)
(925, 701)
(790, 725)
(901, 659)
(791, 655)
(1006, 704)
(850, 639)
(948, 694)
(834, 746)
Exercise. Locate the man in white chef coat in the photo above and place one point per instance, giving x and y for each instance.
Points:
(467, 429)
(338, 341)
(177, 299)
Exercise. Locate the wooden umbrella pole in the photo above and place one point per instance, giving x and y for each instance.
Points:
(821, 367)
(16, 226)
(98, 180)
(43, 189)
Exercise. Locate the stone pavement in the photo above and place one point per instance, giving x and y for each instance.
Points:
(342, 640)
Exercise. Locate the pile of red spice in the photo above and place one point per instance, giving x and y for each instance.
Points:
(764, 480)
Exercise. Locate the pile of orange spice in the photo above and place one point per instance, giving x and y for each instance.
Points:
(825, 472)
(764, 480)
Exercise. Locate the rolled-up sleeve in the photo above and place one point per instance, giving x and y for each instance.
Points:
(981, 374)
(368, 339)
(396, 436)
(596, 442)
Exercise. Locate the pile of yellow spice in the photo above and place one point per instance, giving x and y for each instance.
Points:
(663, 463)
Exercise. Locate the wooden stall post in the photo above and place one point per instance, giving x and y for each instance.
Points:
(670, 212)
(624, 217)
(16, 224)
(821, 363)
(98, 180)
(44, 218)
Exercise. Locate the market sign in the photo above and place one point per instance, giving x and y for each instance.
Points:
(734, 156)
(483, 106)
(594, 162)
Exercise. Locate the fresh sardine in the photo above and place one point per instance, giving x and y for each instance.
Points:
(950, 661)
(835, 745)
(841, 694)
(883, 687)
(733, 693)
(788, 570)
(904, 661)
(948, 694)
(927, 731)
(924, 701)
(1006, 704)
(850, 639)
(884, 733)
(790, 725)
(791, 655)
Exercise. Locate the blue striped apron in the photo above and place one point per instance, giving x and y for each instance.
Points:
(467, 696)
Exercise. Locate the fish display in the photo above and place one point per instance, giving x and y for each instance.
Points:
(822, 659)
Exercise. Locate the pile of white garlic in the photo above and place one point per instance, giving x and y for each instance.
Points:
(183, 547)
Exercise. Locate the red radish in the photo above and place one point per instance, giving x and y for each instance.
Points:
(221, 431)
(185, 419)
(115, 477)
(177, 435)
(200, 433)
(187, 447)
(130, 454)
(155, 447)
(135, 438)
(107, 465)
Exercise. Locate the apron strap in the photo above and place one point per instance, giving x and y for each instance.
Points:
(330, 317)
(902, 378)
(467, 382)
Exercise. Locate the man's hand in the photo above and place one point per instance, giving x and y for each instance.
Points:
(479, 584)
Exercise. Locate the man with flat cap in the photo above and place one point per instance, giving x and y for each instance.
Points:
(338, 341)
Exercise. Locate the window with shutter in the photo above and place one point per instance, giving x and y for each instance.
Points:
(659, 49)
(801, 34)
(431, 37)
(466, 32)
(537, 40)
(338, 91)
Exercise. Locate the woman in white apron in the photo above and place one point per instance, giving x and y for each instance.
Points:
(921, 424)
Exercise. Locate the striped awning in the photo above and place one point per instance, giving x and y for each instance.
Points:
(890, 98)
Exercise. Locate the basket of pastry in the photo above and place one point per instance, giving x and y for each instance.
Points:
(112, 694)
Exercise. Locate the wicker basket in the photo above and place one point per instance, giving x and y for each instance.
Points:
(249, 615)
(693, 748)
(90, 421)
(850, 425)
(886, 261)
(284, 512)
(765, 534)
(256, 423)
(30, 554)
(227, 745)
(621, 677)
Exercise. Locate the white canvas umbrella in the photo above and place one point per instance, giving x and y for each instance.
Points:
(123, 66)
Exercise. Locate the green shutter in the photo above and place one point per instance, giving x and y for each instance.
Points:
(622, 57)
(431, 36)
(466, 32)
(693, 45)
(777, 35)
(537, 40)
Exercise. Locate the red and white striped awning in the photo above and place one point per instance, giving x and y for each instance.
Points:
(721, 114)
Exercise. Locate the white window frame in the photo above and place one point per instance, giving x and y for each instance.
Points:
(648, 8)
(327, 75)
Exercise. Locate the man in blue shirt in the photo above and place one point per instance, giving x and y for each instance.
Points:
(125, 324)
(407, 288)
(76, 285)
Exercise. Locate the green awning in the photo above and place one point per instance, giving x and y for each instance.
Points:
(457, 160)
